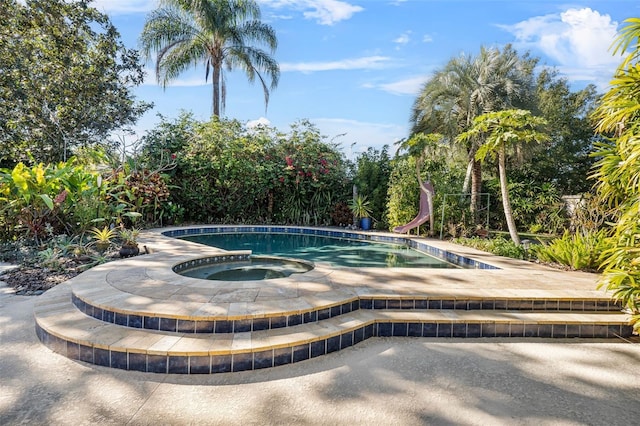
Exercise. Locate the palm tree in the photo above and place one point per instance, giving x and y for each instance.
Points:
(220, 34)
(466, 88)
(500, 130)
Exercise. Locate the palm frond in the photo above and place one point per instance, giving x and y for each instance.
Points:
(215, 33)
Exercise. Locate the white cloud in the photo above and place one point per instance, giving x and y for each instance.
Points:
(324, 12)
(404, 38)
(577, 40)
(262, 121)
(117, 7)
(427, 38)
(367, 62)
(281, 17)
(408, 86)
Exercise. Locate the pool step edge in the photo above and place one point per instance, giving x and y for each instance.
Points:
(66, 330)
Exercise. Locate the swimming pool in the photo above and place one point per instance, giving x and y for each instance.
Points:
(419, 244)
(338, 252)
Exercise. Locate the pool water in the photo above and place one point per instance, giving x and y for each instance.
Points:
(252, 269)
(318, 248)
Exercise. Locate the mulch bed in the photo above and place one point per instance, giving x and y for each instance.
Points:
(33, 281)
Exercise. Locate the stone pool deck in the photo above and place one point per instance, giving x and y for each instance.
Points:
(384, 380)
(137, 314)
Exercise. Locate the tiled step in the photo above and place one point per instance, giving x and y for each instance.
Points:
(113, 306)
(66, 330)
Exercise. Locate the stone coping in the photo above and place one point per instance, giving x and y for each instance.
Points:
(147, 285)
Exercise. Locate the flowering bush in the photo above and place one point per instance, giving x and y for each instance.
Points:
(228, 173)
(312, 177)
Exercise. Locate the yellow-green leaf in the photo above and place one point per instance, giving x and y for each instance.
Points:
(47, 200)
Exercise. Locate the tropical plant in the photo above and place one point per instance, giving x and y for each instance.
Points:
(51, 258)
(213, 169)
(498, 246)
(360, 206)
(580, 251)
(536, 207)
(312, 171)
(466, 88)
(403, 194)
(341, 215)
(102, 237)
(129, 237)
(66, 244)
(590, 214)
(220, 34)
(501, 130)
(564, 160)
(162, 144)
(95, 260)
(227, 172)
(618, 170)
(35, 198)
(144, 191)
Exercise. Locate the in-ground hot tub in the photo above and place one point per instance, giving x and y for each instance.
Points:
(242, 268)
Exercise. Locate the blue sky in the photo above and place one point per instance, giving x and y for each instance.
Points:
(354, 67)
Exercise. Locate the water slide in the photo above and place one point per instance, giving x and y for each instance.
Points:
(425, 212)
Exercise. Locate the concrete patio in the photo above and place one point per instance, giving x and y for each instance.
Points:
(400, 381)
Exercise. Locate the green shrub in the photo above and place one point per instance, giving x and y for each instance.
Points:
(372, 180)
(536, 207)
(498, 246)
(404, 194)
(580, 251)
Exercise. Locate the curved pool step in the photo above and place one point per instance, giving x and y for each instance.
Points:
(70, 332)
(212, 323)
(196, 314)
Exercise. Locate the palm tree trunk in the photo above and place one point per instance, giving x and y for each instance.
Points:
(467, 177)
(508, 213)
(476, 186)
(215, 80)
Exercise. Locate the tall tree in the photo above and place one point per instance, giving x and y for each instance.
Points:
(217, 33)
(65, 79)
(466, 88)
(565, 159)
(501, 130)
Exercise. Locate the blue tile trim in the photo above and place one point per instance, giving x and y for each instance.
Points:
(224, 326)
